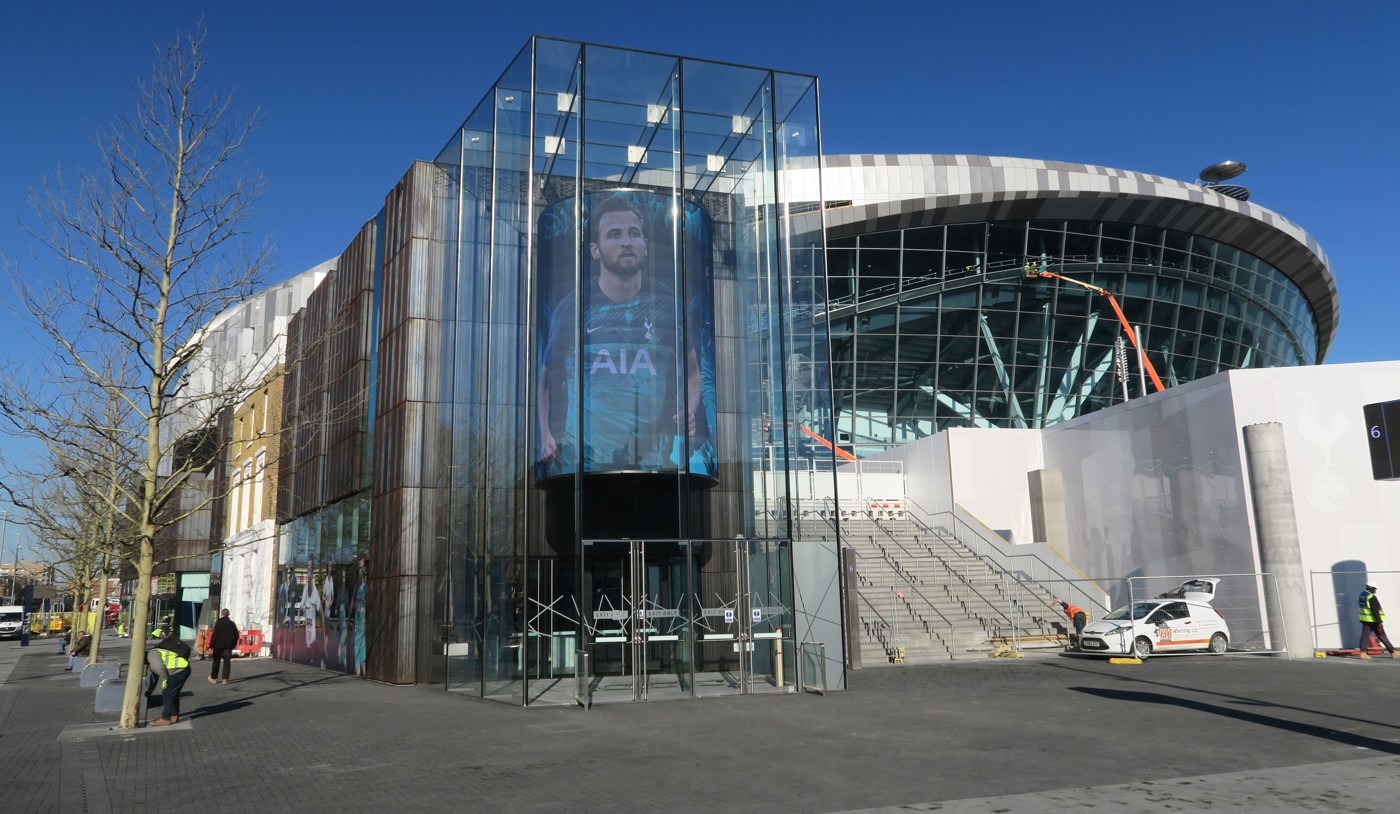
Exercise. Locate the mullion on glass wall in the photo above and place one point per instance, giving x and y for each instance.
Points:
(505, 567)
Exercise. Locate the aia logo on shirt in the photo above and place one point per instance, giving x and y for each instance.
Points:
(625, 362)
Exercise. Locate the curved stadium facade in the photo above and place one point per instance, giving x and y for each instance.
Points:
(935, 324)
(686, 541)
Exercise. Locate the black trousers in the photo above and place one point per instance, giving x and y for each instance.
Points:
(221, 655)
(1377, 628)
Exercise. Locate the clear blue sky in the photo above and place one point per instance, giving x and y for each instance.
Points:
(1306, 93)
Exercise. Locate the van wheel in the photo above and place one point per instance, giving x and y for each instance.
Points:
(1142, 647)
(1218, 643)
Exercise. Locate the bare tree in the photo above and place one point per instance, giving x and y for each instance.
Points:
(71, 496)
(151, 247)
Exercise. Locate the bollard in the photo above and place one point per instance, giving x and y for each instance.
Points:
(109, 696)
(778, 659)
(95, 673)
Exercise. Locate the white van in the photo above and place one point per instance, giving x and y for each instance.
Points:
(1180, 619)
(11, 617)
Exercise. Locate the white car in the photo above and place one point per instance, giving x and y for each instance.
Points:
(1181, 619)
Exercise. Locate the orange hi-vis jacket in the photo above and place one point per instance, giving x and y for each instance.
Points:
(1071, 610)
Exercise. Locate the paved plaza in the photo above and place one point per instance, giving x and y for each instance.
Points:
(1047, 733)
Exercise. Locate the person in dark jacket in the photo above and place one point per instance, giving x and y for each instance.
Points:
(80, 648)
(221, 644)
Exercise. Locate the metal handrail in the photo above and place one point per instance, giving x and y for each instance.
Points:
(899, 571)
(892, 624)
(998, 551)
(914, 556)
(967, 583)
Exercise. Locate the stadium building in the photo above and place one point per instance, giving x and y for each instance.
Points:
(935, 324)
(630, 394)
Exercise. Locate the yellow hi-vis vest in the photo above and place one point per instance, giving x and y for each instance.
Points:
(1364, 608)
(172, 661)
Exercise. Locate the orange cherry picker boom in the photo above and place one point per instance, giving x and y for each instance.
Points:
(1032, 271)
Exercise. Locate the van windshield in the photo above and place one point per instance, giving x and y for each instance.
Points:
(11, 616)
(1140, 610)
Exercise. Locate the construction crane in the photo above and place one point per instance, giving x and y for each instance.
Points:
(820, 440)
(1032, 271)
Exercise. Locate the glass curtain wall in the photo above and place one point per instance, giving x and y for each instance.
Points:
(626, 363)
(319, 605)
(937, 327)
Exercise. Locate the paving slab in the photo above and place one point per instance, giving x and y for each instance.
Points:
(1042, 733)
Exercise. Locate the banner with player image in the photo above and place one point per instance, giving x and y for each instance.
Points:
(626, 366)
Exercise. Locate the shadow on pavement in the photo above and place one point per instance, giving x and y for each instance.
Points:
(247, 700)
(1348, 738)
(218, 709)
(1242, 699)
(240, 679)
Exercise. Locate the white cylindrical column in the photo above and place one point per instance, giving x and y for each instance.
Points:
(1276, 528)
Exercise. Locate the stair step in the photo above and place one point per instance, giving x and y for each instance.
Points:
(953, 599)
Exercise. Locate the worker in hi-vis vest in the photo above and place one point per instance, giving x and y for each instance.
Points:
(1368, 610)
(1076, 615)
(170, 662)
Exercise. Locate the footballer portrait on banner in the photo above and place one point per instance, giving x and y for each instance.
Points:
(626, 363)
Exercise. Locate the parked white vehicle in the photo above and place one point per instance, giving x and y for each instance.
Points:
(1180, 619)
(11, 618)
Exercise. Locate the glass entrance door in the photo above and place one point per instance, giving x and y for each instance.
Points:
(721, 619)
(663, 630)
(684, 619)
(609, 620)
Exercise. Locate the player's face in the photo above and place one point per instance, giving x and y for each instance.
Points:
(620, 246)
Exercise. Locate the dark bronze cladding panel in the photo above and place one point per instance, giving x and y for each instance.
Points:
(410, 344)
(393, 604)
(325, 408)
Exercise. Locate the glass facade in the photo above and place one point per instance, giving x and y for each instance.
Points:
(321, 580)
(631, 350)
(937, 327)
(321, 594)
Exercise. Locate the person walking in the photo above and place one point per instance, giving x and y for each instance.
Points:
(80, 647)
(170, 662)
(1372, 623)
(1077, 617)
(221, 644)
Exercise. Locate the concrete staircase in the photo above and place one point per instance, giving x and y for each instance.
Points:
(923, 590)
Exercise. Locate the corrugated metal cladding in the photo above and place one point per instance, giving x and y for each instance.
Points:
(183, 546)
(288, 504)
(325, 413)
(410, 343)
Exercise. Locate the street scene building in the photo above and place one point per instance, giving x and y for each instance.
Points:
(629, 393)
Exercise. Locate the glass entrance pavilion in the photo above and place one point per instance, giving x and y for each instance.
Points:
(623, 354)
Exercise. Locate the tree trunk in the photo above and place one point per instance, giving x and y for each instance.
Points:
(134, 696)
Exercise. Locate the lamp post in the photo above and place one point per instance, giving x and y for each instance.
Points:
(24, 615)
(4, 526)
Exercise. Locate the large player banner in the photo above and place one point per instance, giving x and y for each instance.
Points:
(626, 366)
